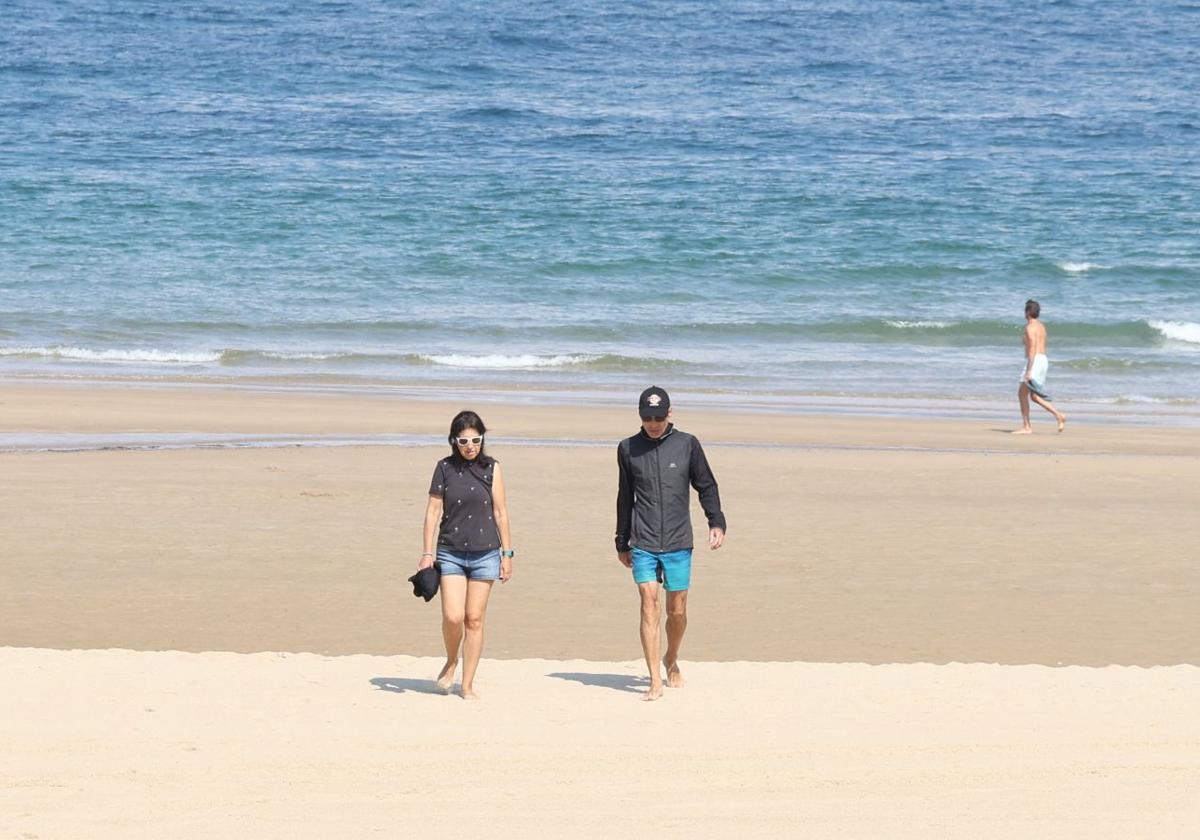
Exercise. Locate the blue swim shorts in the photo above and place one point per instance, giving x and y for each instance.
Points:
(474, 565)
(673, 568)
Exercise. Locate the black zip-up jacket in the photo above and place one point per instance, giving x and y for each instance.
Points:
(653, 506)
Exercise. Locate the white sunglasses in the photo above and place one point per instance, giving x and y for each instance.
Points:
(464, 441)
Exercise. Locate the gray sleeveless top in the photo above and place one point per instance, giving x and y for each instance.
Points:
(468, 523)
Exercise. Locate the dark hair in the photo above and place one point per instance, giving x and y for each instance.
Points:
(1033, 308)
(467, 420)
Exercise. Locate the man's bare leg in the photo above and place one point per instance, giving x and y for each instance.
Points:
(1058, 415)
(650, 629)
(1023, 397)
(676, 627)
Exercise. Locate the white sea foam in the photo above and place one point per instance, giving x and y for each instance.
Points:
(87, 355)
(1178, 330)
(501, 362)
(913, 325)
(1139, 399)
(271, 354)
(1078, 267)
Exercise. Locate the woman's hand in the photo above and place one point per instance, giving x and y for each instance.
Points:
(505, 569)
(426, 562)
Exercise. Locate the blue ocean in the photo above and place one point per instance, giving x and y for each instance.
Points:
(758, 202)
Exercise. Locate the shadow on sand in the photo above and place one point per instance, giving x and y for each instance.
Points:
(617, 682)
(400, 685)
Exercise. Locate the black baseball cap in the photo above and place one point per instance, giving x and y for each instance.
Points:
(654, 402)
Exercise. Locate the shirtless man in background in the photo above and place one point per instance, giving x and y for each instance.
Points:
(1033, 382)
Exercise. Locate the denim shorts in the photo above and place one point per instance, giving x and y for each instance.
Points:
(672, 568)
(475, 565)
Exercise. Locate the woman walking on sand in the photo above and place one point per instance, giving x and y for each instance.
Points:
(466, 534)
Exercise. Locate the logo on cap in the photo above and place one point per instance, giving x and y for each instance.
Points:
(654, 400)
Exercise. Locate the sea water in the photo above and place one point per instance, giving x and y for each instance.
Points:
(753, 201)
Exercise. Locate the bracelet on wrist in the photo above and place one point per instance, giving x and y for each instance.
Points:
(507, 552)
(426, 553)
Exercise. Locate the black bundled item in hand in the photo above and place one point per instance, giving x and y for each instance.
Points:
(425, 582)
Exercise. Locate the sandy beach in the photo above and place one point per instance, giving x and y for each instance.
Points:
(118, 744)
(220, 640)
(254, 258)
(851, 539)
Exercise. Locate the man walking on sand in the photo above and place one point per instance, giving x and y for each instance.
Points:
(1033, 382)
(654, 525)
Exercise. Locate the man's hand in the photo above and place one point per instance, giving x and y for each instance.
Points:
(625, 558)
(716, 537)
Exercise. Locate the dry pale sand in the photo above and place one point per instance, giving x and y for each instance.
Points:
(121, 744)
(851, 539)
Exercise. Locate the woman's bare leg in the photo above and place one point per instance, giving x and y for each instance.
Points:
(477, 599)
(454, 600)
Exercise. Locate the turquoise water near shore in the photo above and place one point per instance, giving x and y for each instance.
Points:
(848, 199)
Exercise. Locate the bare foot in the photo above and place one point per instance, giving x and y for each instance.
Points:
(445, 680)
(674, 677)
(653, 692)
(469, 694)
(1022, 431)
(1062, 422)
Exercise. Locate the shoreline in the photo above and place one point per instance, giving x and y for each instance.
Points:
(85, 417)
(1175, 413)
(68, 443)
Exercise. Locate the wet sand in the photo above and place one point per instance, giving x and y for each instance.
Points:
(851, 539)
